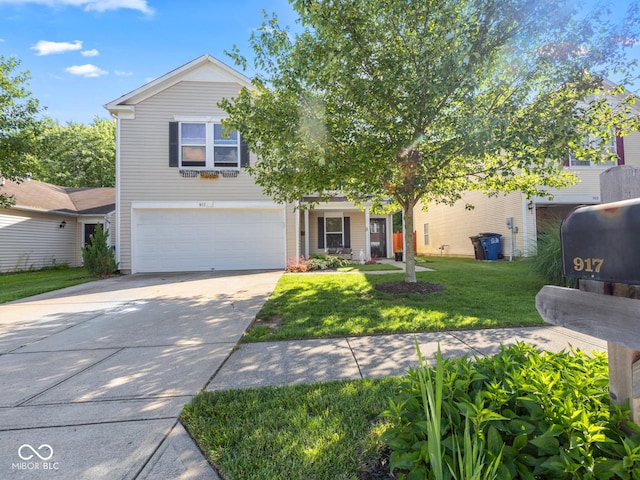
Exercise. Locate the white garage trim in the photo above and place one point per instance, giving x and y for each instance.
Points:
(207, 204)
(204, 236)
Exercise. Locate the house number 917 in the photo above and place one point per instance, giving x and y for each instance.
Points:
(587, 264)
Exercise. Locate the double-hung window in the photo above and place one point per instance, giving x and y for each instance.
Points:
(208, 145)
(607, 149)
(334, 232)
(193, 144)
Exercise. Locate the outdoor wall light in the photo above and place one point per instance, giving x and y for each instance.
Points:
(63, 224)
(530, 205)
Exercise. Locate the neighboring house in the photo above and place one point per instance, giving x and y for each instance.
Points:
(444, 230)
(185, 201)
(48, 225)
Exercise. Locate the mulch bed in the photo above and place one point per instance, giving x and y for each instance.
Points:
(420, 288)
(379, 471)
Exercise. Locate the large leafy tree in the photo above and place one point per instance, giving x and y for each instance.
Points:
(18, 124)
(77, 155)
(399, 102)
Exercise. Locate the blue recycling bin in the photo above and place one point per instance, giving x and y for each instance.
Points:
(492, 245)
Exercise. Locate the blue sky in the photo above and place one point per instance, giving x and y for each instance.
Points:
(82, 54)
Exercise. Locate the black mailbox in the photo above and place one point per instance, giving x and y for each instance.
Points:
(602, 242)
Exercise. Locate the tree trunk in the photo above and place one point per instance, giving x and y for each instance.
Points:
(409, 253)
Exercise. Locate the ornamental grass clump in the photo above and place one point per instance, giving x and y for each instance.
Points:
(548, 259)
(521, 414)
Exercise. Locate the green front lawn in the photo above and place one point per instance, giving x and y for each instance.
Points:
(14, 286)
(476, 295)
(374, 267)
(319, 431)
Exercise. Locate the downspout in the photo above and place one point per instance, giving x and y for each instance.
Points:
(525, 227)
(296, 211)
(118, 199)
(307, 233)
(529, 226)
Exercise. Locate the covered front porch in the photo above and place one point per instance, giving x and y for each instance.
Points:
(342, 227)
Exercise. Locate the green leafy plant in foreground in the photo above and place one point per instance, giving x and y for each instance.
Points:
(529, 414)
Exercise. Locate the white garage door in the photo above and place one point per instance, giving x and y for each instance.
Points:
(189, 240)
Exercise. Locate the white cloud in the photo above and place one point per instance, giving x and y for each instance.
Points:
(90, 53)
(91, 5)
(88, 71)
(104, 5)
(44, 47)
(120, 73)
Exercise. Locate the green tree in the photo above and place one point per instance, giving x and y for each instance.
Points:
(77, 155)
(18, 125)
(425, 99)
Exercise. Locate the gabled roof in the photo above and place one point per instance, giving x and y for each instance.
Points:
(203, 68)
(34, 195)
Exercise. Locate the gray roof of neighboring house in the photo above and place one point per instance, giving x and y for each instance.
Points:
(36, 195)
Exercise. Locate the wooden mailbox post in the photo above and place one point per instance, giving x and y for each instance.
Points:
(601, 247)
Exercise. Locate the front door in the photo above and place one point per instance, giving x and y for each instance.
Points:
(89, 230)
(378, 237)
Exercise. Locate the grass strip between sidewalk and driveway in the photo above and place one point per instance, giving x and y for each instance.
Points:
(14, 286)
(476, 295)
(322, 431)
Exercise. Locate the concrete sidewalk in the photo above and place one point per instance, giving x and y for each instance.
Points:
(305, 361)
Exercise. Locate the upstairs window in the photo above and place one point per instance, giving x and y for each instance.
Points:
(208, 145)
(226, 147)
(614, 146)
(193, 144)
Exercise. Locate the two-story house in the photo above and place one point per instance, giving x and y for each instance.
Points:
(186, 202)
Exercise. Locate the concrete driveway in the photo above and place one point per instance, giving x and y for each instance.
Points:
(94, 377)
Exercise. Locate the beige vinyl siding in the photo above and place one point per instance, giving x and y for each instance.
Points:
(357, 231)
(33, 240)
(145, 174)
(632, 149)
(452, 226)
(292, 237)
(585, 190)
(587, 187)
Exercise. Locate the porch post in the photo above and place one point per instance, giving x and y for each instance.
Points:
(367, 235)
(306, 233)
(296, 213)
